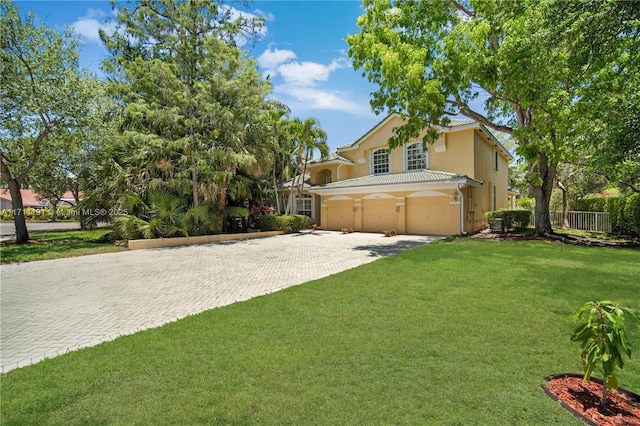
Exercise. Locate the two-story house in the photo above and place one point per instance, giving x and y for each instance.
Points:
(443, 189)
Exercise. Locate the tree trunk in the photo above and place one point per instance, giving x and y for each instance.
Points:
(54, 212)
(541, 177)
(22, 235)
(75, 190)
(565, 205)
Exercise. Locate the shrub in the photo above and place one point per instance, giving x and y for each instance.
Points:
(624, 213)
(258, 211)
(526, 203)
(590, 205)
(288, 223)
(510, 219)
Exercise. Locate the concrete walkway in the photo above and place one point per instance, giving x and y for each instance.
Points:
(51, 307)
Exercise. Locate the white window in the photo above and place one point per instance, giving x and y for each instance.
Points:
(380, 161)
(304, 205)
(416, 157)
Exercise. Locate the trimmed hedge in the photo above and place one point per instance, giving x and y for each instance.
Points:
(624, 211)
(288, 223)
(624, 214)
(590, 205)
(510, 220)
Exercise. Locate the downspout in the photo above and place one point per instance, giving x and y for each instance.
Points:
(462, 231)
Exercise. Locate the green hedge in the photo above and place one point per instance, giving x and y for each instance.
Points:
(590, 205)
(288, 223)
(624, 214)
(509, 220)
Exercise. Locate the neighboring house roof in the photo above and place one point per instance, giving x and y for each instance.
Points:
(30, 198)
(456, 123)
(287, 184)
(418, 177)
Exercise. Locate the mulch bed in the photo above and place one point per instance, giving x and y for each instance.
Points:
(566, 239)
(582, 398)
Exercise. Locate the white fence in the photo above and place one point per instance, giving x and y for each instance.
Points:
(584, 221)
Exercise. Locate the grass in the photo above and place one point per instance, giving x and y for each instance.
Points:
(56, 245)
(454, 333)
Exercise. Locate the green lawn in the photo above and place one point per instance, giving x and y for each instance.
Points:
(55, 245)
(454, 333)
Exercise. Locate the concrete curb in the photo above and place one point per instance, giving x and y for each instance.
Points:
(202, 239)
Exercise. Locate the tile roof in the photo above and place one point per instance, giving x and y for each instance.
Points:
(423, 176)
(455, 122)
(332, 157)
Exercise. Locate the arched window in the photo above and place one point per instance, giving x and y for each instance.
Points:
(416, 157)
(380, 161)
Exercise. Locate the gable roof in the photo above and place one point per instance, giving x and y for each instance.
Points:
(456, 123)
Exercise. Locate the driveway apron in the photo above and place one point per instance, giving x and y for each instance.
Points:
(52, 307)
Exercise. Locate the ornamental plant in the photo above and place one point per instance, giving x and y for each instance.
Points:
(603, 340)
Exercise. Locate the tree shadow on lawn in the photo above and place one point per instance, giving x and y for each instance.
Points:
(398, 246)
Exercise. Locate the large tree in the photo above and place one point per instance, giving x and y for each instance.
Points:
(531, 62)
(191, 98)
(42, 93)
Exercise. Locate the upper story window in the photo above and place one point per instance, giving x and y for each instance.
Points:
(416, 157)
(495, 159)
(380, 161)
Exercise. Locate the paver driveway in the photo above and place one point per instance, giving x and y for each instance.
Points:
(51, 307)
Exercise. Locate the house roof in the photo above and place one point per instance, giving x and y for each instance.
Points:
(423, 176)
(30, 198)
(455, 123)
(333, 157)
(287, 184)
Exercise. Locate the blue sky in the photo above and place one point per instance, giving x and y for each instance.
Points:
(302, 48)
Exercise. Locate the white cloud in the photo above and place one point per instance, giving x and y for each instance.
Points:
(299, 82)
(307, 73)
(87, 26)
(317, 99)
(270, 59)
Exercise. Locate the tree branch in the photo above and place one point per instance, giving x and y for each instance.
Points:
(461, 8)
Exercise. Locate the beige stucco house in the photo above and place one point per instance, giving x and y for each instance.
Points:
(444, 189)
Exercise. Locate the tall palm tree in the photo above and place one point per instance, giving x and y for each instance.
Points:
(307, 136)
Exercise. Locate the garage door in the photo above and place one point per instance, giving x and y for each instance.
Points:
(379, 214)
(428, 215)
(340, 214)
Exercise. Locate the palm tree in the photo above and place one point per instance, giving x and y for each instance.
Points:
(307, 136)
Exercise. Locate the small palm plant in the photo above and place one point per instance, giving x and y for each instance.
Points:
(603, 340)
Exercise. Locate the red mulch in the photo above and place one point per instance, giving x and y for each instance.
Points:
(584, 397)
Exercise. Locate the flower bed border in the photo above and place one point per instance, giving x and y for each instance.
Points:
(201, 239)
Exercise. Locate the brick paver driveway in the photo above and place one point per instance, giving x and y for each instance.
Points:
(51, 307)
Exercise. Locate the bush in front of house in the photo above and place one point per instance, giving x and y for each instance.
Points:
(510, 220)
(288, 223)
